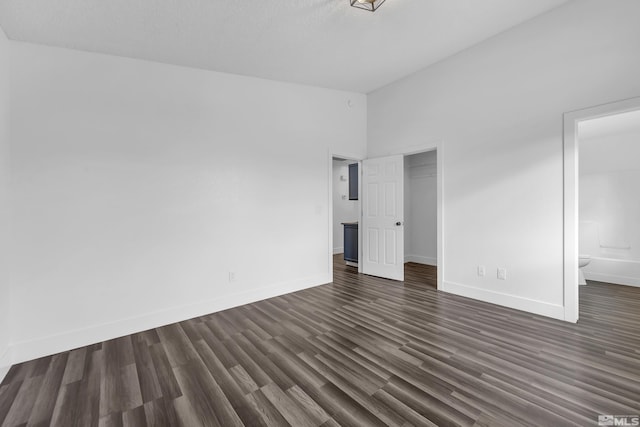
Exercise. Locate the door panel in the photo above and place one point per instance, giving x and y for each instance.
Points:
(383, 217)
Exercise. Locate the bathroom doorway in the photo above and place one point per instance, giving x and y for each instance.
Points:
(602, 211)
(608, 204)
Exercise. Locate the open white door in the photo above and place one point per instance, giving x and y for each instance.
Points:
(383, 217)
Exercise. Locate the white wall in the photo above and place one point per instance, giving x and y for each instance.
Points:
(610, 207)
(5, 252)
(498, 109)
(344, 210)
(139, 186)
(420, 239)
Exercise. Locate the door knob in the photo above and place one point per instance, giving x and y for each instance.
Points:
(399, 223)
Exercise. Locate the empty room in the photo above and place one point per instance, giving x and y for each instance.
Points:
(319, 213)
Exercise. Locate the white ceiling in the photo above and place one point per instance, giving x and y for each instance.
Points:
(322, 43)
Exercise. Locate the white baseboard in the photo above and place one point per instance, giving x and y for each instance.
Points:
(421, 259)
(5, 362)
(339, 250)
(506, 300)
(612, 278)
(33, 349)
(617, 271)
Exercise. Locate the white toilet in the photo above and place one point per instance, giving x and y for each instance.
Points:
(583, 261)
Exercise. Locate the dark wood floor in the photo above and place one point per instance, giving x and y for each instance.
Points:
(359, 351)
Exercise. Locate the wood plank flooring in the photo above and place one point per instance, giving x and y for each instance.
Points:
(360, 351)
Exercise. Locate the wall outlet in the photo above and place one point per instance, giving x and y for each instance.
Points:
(232, 276)
(481, 271)
(502, 273)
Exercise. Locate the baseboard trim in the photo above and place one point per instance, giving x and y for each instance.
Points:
(418, 259)
(512, 301)
(617, 271)
(339, 250)
(5, 362)
(45, 346)
(612, 278)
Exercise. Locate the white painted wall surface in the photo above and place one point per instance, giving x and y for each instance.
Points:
(140, 186)
(421, 208)
(5, 248)
(344, 210)
(610, 207)
(498, 109)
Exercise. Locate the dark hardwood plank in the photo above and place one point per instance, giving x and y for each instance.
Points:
(8, 393)
(64, 412)
(88, 408)
(130, 395)
(134, 417)
(286, 406)
(359, 351)
(270, 416)
(75, 366)
(43, 408)
(114, 419)
(205, 395)
(146, 370)
(24, 402)
(165, 375)
(310, 407)
(160, 413)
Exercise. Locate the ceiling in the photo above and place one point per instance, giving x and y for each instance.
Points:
(322, 43)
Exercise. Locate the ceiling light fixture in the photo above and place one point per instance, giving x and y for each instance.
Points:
(370, 5)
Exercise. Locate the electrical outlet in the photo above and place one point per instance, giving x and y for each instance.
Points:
(502, 273)
(481, 271)
(232, 276)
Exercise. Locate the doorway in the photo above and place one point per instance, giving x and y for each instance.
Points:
(609, 210)
(421, 218)
(344, 208)
(600, 230)
(436, 148)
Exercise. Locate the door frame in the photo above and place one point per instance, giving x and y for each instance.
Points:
(571, 191)
(355, 158)
(405, 151)
(438, 147)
